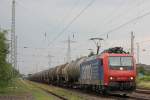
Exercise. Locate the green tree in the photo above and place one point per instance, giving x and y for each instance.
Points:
(141, 70)
(6, 69)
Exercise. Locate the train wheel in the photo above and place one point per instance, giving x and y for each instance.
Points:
(124, 95)
(105, 91)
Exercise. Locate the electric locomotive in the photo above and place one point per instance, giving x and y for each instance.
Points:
(110, 71)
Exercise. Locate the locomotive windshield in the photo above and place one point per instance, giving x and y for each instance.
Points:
(120, 62)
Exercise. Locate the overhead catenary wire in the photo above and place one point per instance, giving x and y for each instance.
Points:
(126, 23)
(138, 4)
(121, 14)
(114, 18)
(71, 22)
(128, 10)
(116, 9)
(113, 12)
(67, 15)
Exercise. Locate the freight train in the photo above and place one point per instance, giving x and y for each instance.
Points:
(111, 71)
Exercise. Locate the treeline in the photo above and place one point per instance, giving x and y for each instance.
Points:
(7, 72)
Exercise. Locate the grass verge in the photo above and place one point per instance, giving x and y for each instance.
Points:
(21, 87)
(143, 82)
(70, 95)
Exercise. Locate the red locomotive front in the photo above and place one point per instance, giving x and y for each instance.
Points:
(119, 72)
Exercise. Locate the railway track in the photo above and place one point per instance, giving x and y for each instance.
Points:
(143, 91)
(134, 96)
(139, 94)
(54, 94)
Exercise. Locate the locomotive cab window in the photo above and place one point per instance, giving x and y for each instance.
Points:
(123, 63)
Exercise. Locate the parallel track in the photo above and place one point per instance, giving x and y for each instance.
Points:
(131, 97)
(139, 98)
(143, 91)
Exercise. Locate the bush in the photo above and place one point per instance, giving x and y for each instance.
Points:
(145, 78)
(141, 70)
(147, 73)
(7, 73)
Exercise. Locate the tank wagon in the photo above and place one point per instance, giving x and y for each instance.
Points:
(112, 70)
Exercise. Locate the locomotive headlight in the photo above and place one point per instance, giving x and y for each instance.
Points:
(111, 78)
(121, 68)
(131, 78)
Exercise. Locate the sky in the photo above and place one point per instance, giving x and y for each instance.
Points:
(77, 19)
